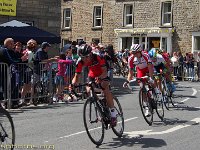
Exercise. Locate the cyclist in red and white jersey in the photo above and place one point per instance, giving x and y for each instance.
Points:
(143, 65)
(97, 69)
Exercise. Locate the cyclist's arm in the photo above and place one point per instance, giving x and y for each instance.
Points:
(150, 67)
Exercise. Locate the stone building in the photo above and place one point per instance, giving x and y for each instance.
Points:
(43, 14)
(169, 24)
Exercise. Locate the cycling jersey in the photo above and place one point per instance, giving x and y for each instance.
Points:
(158, 60)
(94, 66)
(142, 62)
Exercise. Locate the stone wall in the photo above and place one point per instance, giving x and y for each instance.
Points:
(147, 14)
(44, 14)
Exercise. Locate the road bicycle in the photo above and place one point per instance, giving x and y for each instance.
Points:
(97, 117)
(7, 130)
(148, 100)
(166, 92)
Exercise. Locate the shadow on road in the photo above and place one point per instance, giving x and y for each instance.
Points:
(134, 141)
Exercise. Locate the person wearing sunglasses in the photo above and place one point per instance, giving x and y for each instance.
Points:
(97, 70)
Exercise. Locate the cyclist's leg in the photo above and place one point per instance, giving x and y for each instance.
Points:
(109, 98)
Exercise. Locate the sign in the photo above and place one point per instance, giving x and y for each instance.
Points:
(145, 30)
(8, 7)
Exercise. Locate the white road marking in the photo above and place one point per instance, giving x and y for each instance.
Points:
(185, 100)
(193, 94)
(149, 132)
(77, 133)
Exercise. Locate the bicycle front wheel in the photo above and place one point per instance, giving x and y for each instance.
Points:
(7, 130)
(145, 106)
(159, 107)
(119, 128)
(93, 121)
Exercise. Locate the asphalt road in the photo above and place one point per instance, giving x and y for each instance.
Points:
(60, 126)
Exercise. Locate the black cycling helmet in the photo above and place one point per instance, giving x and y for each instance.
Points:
(84, 50)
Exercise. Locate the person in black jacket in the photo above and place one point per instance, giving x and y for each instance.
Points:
(8, 56)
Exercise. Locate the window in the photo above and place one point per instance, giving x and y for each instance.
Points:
(164, 44)
(67, 18)
(97, 20)
(96, 40)
(166, 13)
(196, 42)
(128, 15)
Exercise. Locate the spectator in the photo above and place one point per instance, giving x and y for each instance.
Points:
(186, 65)
(28, 70)
(198, 66)
(8, 55)
(69, 68)
(191, 67)
(175, 64)
(59, 79)
(180, 65)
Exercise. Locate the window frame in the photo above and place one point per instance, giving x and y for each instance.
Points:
(64, 18)
(163, 5)
(127, 15)
(95, 18)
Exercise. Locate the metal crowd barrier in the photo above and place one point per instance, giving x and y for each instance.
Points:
(5, 85)
(30, 81)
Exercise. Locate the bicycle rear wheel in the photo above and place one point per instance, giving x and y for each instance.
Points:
(119, 128)
(144, 102)
(7, 131)
(93, 121)
(165, 97)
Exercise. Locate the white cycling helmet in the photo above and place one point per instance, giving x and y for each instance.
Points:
(135, 47)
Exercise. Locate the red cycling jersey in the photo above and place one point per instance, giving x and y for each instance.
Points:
(94, 66)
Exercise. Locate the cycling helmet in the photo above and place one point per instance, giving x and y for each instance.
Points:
(84, 50)
(135, 47)
(159, 51)
(152, 53)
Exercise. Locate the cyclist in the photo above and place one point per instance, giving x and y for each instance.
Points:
(143, 65)
(160, 65)
(97, 70)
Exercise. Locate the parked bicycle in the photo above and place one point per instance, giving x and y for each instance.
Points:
(97, 117)
(7, 130)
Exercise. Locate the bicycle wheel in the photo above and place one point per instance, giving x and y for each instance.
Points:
(144, 105)
(119, 128)
(165, 97)
(93, 121)
(159, 107)
(7, 131)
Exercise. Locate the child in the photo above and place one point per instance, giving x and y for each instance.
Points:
(59, 79)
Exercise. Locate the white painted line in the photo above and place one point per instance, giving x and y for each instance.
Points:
(77, 133)
(149, 132)
(194, 92)
(185, 100)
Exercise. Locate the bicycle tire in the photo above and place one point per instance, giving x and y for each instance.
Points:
(4, 113)
(159, 107)
(142, 103)
(165, 97)
(98, 116)
(118, 108)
